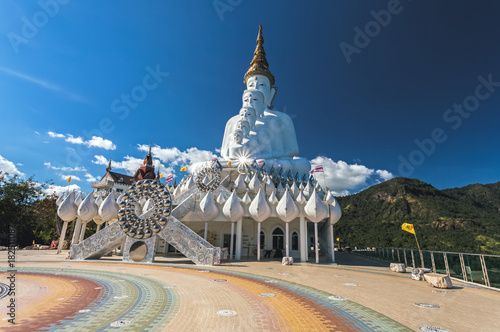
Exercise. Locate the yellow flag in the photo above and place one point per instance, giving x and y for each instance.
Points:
(162, 174)
(408, 227)
(184, 169)
(228, 163)
(69, 179)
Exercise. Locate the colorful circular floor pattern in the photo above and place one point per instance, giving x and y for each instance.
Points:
(180, 299)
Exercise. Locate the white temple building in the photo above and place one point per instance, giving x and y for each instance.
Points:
(257, 200)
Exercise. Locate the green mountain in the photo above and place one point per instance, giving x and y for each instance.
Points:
(463, 219)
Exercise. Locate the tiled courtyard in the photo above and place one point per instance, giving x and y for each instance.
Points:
(54, 294)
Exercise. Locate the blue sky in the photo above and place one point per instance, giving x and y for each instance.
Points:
(367, 105)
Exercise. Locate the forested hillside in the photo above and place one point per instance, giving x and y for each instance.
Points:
(463, 219)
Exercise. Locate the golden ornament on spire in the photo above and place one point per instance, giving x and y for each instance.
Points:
(259, 65)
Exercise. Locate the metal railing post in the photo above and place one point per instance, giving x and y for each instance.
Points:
(485, 271)
(399, 258)
(433, 262)
(462, 265)
(404, 254)
(412, 258)
(446, 263)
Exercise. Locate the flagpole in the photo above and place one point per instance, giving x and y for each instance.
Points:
(419, 251)
(324, 178)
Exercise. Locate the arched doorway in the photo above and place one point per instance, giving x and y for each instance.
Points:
(278, 239)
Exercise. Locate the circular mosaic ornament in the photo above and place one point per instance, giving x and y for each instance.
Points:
(426, 305)
(267, 295)
(227, 313)
(337, 298)
(120, 323)
(209, 178)
(151, 221)
(432, 329)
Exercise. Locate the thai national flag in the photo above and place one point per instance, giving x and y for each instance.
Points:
(311, 172)
(214, 160)
(260, 162)
(318, 168)
(169, 178)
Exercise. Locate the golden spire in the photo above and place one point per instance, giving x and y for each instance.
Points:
(259, 65)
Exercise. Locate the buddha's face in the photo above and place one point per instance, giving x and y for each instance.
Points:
(262, 84)
(248, 114)
(237, 136)
(254, 99)
(244, 126)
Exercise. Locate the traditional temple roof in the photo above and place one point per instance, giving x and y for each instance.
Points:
(114, 177)
(147, 170)
(259, 64)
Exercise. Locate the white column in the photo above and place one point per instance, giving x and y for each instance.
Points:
(63, 235)
(258, 241)
(316, 246)
(332, 243)
(82, 231)
(287, 246)
(76, 231)
(239, 235)
(231, 247)
(303, 239)
(206, 231)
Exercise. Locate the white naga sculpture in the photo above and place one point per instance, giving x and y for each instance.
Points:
(258, 131)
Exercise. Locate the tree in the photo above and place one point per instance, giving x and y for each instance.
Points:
(24, 205)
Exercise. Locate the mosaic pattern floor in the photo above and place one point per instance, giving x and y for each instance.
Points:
(76, 298)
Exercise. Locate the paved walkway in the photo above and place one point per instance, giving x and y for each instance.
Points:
(54, 294)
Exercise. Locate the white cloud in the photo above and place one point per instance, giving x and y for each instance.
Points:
(91, 178)
(343, 178)
(73, 177)
(55, 135)
(101, 143)
(176, 157)
(60, 189)
(385, 175)
(74, 140)
(65, 168)
(36, 132)
(96, 141)
(8, 166)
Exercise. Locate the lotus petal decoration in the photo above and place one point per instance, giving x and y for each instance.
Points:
(329, 198)
(315, 210)
(207, 210)
(246, 199)
(60, 199)
(259, 209)
(240, 185)
(221, 199)
(301, 199)
(273, 200)
(254, 184)
(68, 210)
(233, 210)
(286, 208)
(87, 209)
(335, 211)
(109, 209)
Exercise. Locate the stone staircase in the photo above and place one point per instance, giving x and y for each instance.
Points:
(175, 233)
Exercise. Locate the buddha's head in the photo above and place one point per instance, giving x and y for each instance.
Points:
(261, 83)
(237, 136)
(248, 114)
(244, 126)
(254, 99)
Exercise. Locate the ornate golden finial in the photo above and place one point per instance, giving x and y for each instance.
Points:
(259, 64)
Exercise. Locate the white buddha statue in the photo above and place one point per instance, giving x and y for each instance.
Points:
(272, 134)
